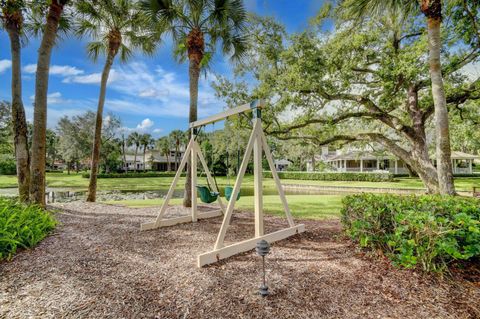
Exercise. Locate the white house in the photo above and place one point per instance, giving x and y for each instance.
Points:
(364, 161)
(282, 164)
(154, 161)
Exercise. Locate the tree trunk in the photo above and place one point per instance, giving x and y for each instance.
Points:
(37, 186)
(135, 159)
(144, 150)
(97, 139)
(313, 163)
(177, 147)
(124, 156)
(423, 166)
(444, 161)
(169, 167)
(194, 74)
(20, 130)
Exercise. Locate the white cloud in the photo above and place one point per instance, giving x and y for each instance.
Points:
(53, 98)
(55, 114)
(93, 78)
(144, 90)
(5, 65)
(30, 68)
(61, 70)
(145, 124)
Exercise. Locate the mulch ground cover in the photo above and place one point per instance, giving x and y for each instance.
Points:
(98, 264)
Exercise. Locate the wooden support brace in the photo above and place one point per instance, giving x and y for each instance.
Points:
(193, 169)
(246, 245)
(236, 188)
(180, 220)
(281, 192)
(172, 188)
(257, 182)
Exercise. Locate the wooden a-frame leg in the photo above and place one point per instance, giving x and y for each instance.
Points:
(209, 175)
(257, 183)
(281, 192)
(163, 208)
(236, 188)
(193, 168)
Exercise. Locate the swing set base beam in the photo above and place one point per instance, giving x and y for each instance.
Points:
(246, 245)
(179, 220)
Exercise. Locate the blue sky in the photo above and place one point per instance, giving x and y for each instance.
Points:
(150, 94)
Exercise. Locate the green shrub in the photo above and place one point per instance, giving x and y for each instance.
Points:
(8, 166)
(426, 232)
(132, 175)
(54, 171)
(334, 176)
(22, 226)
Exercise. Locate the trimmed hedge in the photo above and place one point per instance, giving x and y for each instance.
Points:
(474, 175)
(22, 226)
(8, 167)
(426, 231)
(334, 176)
(54, 171)
(132, 175)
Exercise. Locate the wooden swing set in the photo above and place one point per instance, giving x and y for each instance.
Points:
(258, 143)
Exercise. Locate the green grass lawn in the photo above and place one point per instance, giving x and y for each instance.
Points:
(301, 206)
(152, 183)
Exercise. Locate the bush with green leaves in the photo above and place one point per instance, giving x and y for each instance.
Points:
(132, 175)
(426, 231)
(7, 166)
(334, 176)
(22, 226)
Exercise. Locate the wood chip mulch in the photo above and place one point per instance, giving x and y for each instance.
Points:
(99, 265)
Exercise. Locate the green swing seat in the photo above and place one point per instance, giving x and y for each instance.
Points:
(206, 195)
(229, 191)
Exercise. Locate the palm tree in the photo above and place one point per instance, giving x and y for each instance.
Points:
(116, 27)
(124, 155)
(12, 21)
(196, 25)
(37, 168)
(163, 144)
(432, 10)
(146, 141)
(134, 139)
(177, 136)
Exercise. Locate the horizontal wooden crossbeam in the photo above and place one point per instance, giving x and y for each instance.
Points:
(223, 115)
(246, 245)
(179, 220)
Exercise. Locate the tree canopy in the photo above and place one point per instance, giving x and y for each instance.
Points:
(365, 83)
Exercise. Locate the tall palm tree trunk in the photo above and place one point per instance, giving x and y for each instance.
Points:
(176, 155)
(124, 156)
(97, 139)
(144, 151)
(194, 74)
(22, 155)
(433, 12)
(135, 159)
(37, 186)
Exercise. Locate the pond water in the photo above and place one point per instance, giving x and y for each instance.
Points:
(65, 195)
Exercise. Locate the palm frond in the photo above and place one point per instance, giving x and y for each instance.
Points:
(95, 49)
(357, 9)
